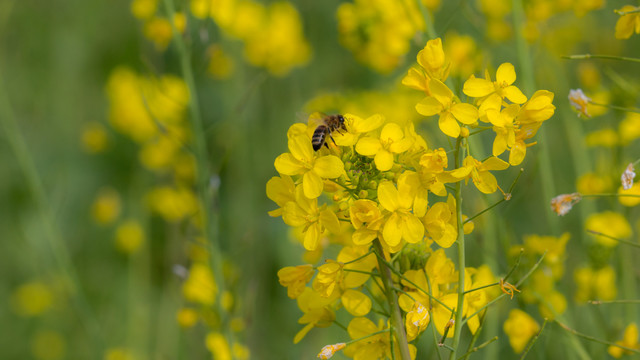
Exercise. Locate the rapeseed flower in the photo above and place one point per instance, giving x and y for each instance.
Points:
(304, 212)
(302, 160)
(200, 287)
(520, 327)
(494, 92)
(629, 339)
(402, 224)
(629, 23)
(595, 284)
(608, 223)
(295, 278)
(392, 141)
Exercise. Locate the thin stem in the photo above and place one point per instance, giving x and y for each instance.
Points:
(622, 13)
(359, 258)
(591, 338)
(55, 241)
(609, 195)
(461, 258)
(475, 337)
(522, 280)
(606, 57)
(201, 156)
(614, 107)
(630, 243)
(361, 272)
(392, 299)
(481, 287)
(533, 341)
(429, 29)
(479, 347)
(603, 302)
(367, 336)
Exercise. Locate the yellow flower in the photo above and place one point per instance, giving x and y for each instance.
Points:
(173, 204)
(330, 278)
(493, 92)
(538, 109)
(592, 183)
(392, 141)
(356, 126)
(218, 345)
(440, 270)
(187, 317)
(119, 354)
(629, 339)
(432, 165)
(106, 207)
(371, 347)
(159, 31)
(200, 286)
(520, 327)
(479, 172)
(328, 351)
(442, 102)
(595, 284)
(302, 160)
(280, 190)
(32, 299)
(416, 320)
(432, 66)
(628, 200)
(554, 304)
(48, 345)
(462, 51)
(129, 237)
(504, 127)
(317, 312)
(366, 219)
(221, 65)
(604, 137)
(441, 222)
(629, 23)
(304, 212)
(579, 101)
(94, 138)
(355, 302)
(144, 9)
(608, 223)
(629, 128)
(402, 224)
(295, 278)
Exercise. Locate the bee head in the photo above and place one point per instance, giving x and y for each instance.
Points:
(341, 119)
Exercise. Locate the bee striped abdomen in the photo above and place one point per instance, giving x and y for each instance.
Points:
(318, 138)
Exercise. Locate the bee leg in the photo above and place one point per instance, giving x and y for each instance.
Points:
(332, 140)
(325, 144)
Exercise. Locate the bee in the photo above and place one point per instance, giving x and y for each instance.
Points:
(328, 124)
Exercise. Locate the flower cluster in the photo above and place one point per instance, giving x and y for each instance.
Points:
(374, 190)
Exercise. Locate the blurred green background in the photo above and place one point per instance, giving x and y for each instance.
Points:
(55, 59)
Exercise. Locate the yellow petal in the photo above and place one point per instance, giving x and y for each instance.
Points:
(391, 132)
(330, 221)
(363, 236)
(517, 154)
(369, 124)
(465, 113)
(356, 303)
(499, 145)
(486, 182)
(312, 237)
(429, 106)
(476, 87)
(383, 160)
(388, 195)
(415, 80)
(293, 215)
(288, 165)
(360, 327)
(368, 146)
(392, 231)
(494, 163)
(300, 147)
(328, 167)
(312, 185)
(302, 333)
(441, 92)
(432, 56)
(514, 95)
(506, 74)
(449, 125)
(413, 230)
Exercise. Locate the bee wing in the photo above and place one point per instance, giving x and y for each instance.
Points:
(315, 119)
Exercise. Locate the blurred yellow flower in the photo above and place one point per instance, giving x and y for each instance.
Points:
(200, 287)
(119, 354)
(608, 223)
(520, 327)
(106, 206)
(218, 345)
(48, 345)
(462, 52)
(595, 284)
(629, 23)
(159, 31)
(144, 9)
(187, 317)
(628, 200)
(629, 128)
(129, 236)
(605, 137)
(592, 183)
(221, 65)
(552, 305)
(173, 204)
(629, 339)
(94, 138)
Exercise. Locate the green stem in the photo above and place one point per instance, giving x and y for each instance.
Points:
(591, 338)
(461, 258)
(602, 302)
(606, 57)
(533, 341)
(627, 242)
(430, 30)
(56, 243)
(614, 107)
(203, 171)
(622, 13)
(608, 195)
(479, 347)
(392, 299)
